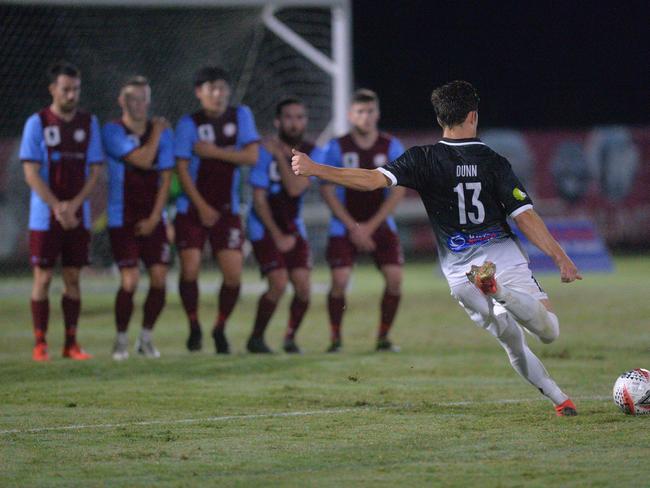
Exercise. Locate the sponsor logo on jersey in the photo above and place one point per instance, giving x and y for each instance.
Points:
(519, 195)
(229, 129)
(461, 241)
(79, 135)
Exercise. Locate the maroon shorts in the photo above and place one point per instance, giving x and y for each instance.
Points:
(270, 258)
(129, 248)
(225, 234)
(341, 253)
(45, 246)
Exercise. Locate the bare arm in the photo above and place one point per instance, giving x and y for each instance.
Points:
(534, 228)
(386, 208)
(88, 187)
(328, 192)
(246, 156)
(207, 214)
(263, 210)
(147, 226)
(36, 183)
(144, 156)
(295, 185)
(356, 179)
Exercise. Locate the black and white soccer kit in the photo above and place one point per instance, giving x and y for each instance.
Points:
(469, 191)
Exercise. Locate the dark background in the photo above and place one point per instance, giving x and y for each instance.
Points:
(559, 64)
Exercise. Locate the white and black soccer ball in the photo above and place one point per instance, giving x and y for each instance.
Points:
(632, 392)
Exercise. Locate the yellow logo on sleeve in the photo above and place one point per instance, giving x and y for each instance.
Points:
(519, 195)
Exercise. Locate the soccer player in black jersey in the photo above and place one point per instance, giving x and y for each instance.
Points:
(469, 191)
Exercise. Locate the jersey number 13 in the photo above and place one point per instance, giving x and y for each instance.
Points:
(477, 214)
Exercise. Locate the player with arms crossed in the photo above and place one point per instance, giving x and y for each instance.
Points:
(275, 226)
(140, 162)
(362, 221)
(468, 191)
(61, 151)
(210, 146)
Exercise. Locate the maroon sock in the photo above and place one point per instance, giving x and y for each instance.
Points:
(335, 307)
(296, 313)
(153, 305)
(389, 304)
(265, 309)
(228, 296)
(189, 291)
(71, 308)
(123, 309)
(40, 319)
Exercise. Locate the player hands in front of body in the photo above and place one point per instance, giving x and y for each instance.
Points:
(275, 226)
(362, 221)
(467, 188)
(210, 146)
(140, 163)
(62, 156)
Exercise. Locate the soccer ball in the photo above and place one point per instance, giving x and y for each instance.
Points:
(632, 392)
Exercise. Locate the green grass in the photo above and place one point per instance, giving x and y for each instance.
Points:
(371, 419)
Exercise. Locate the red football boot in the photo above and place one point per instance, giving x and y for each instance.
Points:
(39, 353)
(566, 409)
(483, 277)
(75, 352)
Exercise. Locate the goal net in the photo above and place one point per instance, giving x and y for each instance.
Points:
(287, 47)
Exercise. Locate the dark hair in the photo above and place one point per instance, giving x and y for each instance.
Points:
(62, 68)
(210, 73)
(287, 101)
(137, 80)
(453, 101)
(364, 95)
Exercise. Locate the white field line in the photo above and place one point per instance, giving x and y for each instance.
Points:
(307, 413)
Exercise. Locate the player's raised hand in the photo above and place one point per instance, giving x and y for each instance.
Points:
(160, 123)
(301, 164)
(569, 271)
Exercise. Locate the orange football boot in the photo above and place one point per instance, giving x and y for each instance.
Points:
(76, 353)
(483, 277)
(566, 409)
(39, 353)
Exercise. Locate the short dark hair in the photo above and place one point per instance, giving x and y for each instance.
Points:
(62, 68)
(364, 95)
(210, 73)
(285, 102)
(453, 101)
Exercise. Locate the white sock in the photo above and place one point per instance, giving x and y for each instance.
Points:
(530, 313)
(523, 360)
(122, 338)
(145, 335)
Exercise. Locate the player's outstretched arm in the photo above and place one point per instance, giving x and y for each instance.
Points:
(246, 156)
(356, 179)
(534, 228)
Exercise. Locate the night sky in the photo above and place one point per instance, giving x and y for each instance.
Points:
(549, 65)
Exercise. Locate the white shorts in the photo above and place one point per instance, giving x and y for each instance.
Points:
(480, 307)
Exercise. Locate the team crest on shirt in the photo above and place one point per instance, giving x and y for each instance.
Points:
(206, 133)
(52, 135)
(379, 160)
(519, 195)
(350, 160)
(79, 135)
(229, 129)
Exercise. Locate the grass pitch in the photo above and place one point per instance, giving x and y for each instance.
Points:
(447, 411)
